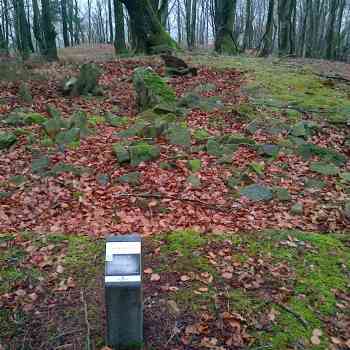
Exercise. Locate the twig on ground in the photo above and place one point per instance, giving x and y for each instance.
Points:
(334, 77)
(293, 313)
(174, 331)
(88, 340)
(213, 206)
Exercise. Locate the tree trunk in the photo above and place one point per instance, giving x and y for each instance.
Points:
(267, 41)
(193, 24)
(21, 28)
(110, 19)
(248, 32)
(3, 43)
(224, 16)
(285, 15)
(64, 23)
(330, 39)
(37, 26)
(119, 43)
(148, 33)
(50, 49)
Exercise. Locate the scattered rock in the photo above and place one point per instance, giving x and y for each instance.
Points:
(201, 135)
(345, 177)
(86, 83)
(40, 165)
(346, 210)
(297, 209)
(194, 165)
(143, 152)
(132, 178)
(177, 66)
(24, 93)
(7, 139)
(121, 153)
(257, 193)
(282, 194)
(194, 181)
(151, 89)
(173, 307)
(179, 135)
(270, 150)
(324, 168)
(19, 118)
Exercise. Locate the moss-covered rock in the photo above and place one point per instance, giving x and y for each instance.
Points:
(142, 152)
(256, 193)
(7, 139)
(132, 178)
(20, 118)
(323, 168)
(85, 83)
(151, 89)
(194, 165)
(179, 135)
(121, 152)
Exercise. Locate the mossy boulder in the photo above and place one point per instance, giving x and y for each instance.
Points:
(132, 178)
(142, 152)
(308, 150)
(323, 168)
(194, 165)
(269, 150)
(282, 194)
(121, 152)
(194, 181)
(7, 139)
(257, 193)
(201, 135)
(19, 118)
(297, 209)
(151, 89)
(24, 93)
(85, 83)
(179, 135)
(236, 139)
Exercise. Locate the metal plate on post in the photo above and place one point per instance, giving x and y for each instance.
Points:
(123, 288)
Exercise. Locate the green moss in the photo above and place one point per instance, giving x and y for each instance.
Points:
(184, 241)
(96, 119)
(319, 270)
(187, 299)
(84, 259)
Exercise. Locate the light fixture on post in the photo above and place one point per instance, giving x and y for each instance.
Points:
(123, 291)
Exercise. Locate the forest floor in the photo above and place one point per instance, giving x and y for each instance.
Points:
(247, 249)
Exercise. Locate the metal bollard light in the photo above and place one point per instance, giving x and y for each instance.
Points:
(123, 291)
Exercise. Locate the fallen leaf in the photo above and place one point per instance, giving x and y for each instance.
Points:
(148, 271)
(227, 275)
(155, 277)
(60, 269)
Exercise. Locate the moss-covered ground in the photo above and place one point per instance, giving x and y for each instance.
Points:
(270, 289)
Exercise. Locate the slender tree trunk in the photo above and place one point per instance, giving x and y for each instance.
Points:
(179, 23)
(119, 42)
(110, 19)
(50, 49)
(248, 32)
(225, 11)
(21, 28)
(285, 17)
(148, 33)
(193, 24)
(38, 35)
(89, 20)
(330, 35)
(64, 23)
(267, 41)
